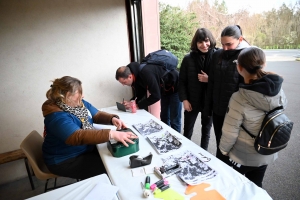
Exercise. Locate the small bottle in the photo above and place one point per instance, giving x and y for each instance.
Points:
(133, 106)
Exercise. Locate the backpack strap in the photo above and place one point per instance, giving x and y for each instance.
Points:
(267, 113)
(142, 65)
(277, 108)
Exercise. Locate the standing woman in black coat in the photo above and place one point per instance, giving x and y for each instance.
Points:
(224, 79)
(193, 78)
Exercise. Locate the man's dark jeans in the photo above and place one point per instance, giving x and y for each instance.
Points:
(171, 108)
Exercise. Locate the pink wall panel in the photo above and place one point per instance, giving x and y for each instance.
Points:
(150, 11)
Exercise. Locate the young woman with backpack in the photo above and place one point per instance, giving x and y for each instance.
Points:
(259, 93)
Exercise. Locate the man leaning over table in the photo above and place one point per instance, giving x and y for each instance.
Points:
(147, 91)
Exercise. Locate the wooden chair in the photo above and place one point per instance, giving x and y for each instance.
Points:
(32, 148)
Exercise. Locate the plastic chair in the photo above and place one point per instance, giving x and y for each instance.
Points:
(32, 147)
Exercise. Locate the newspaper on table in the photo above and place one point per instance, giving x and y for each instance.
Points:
(164, 142)
(148, 127)
(194, 170)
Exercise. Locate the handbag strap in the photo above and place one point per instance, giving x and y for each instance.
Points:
(253, 136)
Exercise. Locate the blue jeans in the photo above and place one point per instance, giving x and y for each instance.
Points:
(171, 111)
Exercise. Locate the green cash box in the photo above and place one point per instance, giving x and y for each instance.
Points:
(119, 150)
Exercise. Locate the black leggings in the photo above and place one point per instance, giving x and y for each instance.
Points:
(254, 174)
(218, 124)
(81, 167)
(189, 123)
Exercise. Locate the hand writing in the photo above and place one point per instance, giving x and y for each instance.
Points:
(126, 104)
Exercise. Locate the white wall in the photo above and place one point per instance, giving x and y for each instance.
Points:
(44, 40)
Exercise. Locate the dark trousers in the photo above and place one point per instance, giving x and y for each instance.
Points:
(81, 167)
(189, 122)
(218, 124)
(254, 174)
(171, 111)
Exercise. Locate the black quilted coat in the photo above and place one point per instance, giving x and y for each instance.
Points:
(223, 80)
(190, 88)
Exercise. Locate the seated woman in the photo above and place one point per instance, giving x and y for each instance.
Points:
(69, 148)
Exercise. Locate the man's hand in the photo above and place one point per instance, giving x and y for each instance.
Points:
(126, 104)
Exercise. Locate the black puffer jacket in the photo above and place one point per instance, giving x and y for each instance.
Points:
(223, 80)
(190, 88)
(139, 92)
(149, 78)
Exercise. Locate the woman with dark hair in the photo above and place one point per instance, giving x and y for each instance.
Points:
(69, 147)
(193, 79)
(259, 93)
(224, 79)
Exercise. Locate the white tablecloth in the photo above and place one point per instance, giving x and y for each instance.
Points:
(75, 191)
(229, 183)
